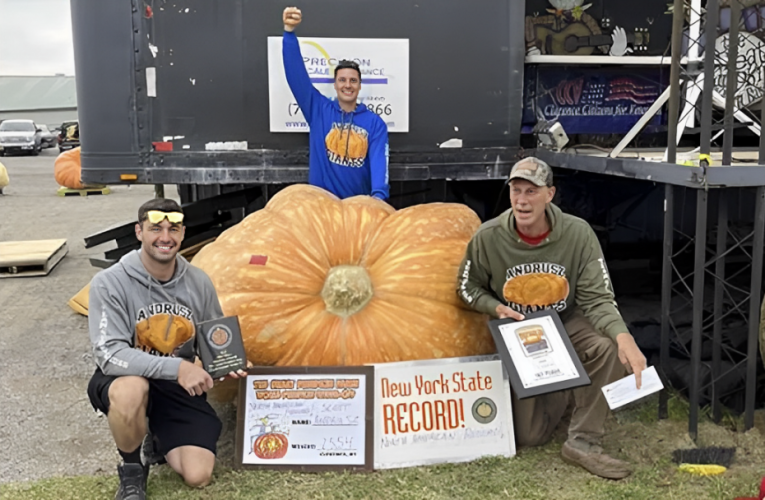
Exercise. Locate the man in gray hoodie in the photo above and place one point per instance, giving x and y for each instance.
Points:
(143, 312)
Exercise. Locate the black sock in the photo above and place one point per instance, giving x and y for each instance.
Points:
(134, 457)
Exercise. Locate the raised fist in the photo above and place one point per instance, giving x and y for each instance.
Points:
(291, 17)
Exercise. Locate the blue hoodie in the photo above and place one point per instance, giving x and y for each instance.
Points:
(348, 151)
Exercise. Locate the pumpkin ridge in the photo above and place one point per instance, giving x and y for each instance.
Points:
(368, 244)
(435, 221)
(362, 218)
(343, 343)
(301, 295)
(382, 293)
(365, 217)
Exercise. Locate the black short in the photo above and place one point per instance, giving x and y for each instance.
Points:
(175, 418)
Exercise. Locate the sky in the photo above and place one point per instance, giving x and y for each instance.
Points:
(36, 37)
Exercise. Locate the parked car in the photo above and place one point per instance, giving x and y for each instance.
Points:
(47, 138)
(69, 136)
(22, 136)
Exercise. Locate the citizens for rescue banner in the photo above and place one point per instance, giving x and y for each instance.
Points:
(384, 65)
(436, 411)
(306, 418)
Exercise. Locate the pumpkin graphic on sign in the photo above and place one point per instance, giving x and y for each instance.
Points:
(272, 445)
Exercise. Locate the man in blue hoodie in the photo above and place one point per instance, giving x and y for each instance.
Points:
(143, 312)
(348, 143)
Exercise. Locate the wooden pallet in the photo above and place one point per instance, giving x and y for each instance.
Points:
(65, 191)
(80, 302)
(30, 258)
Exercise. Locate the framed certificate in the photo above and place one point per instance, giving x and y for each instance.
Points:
(306, 418)
(537, 354)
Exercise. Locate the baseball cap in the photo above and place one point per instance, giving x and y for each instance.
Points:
(533, 170)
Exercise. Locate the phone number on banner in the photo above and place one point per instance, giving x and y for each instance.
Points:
(379, 109)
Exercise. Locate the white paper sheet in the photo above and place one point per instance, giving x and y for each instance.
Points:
(151, 82)
(623, 391)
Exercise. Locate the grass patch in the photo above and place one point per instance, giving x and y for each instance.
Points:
(534, 474)
(634, 434)
(678, 410)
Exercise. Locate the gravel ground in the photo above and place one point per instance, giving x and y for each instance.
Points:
(49, 427)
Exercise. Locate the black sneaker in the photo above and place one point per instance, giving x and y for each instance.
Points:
(132, 482)
(149, 453)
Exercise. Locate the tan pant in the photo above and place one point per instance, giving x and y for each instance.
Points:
(536, 418)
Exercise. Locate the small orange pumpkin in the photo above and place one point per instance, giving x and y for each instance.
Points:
(4, 180)
(67, 169)
(319, 281)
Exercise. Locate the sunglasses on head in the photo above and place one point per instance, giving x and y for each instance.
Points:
(157, 216)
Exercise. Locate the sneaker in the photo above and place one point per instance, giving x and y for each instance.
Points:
(149, 453)
(599, 464)
(132, 482)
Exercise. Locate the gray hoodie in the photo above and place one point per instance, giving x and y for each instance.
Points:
(139, 326)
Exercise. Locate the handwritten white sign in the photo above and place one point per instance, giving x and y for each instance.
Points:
(305, 420)
(436, 411)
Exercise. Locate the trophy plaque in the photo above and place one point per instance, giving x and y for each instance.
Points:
(537, 354)
(221, 348)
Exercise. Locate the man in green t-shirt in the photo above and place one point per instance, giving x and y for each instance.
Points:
(564, 258)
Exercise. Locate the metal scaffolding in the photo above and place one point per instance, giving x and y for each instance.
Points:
(683, 285)
(710, 261)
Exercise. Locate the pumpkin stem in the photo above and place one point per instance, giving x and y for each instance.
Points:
(347, 290)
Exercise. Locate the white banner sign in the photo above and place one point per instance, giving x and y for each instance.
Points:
(436, 411)
(305, 420)
(384, 67)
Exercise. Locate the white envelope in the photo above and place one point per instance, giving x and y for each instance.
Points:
(623, 391)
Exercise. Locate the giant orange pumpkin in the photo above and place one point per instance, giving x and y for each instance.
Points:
(319, 281)
(67, 169)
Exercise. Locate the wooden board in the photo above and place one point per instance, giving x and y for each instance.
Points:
(30, 258)
(79, 303)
